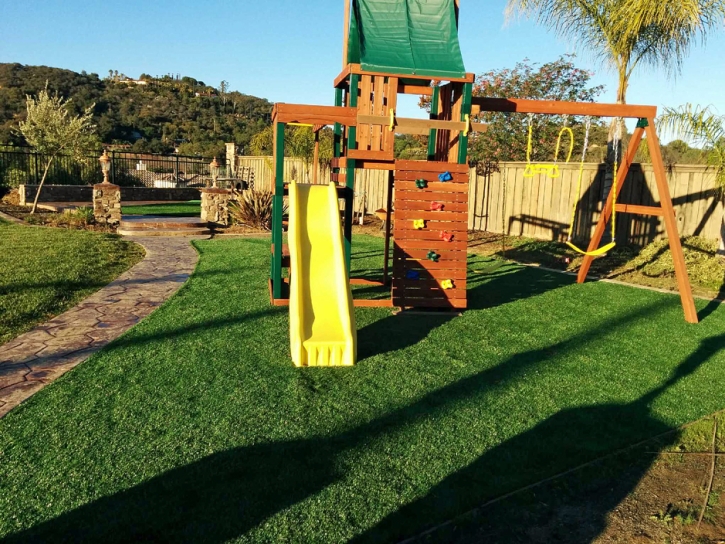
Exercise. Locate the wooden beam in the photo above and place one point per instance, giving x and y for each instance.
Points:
(640, 210)
(678, 258)
(345, 32)
(423, 90)
(607, 211)
(313, 115)
(341, 79)
(357, 69)
(407, 125)
(553, 107)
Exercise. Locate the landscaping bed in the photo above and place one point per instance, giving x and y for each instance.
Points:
(195, 426)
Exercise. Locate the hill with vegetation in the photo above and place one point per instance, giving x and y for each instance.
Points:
(149, 114)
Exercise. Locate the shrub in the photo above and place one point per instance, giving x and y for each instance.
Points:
(13, 177)
(253, 209)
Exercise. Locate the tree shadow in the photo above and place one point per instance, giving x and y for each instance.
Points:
(568, 438)
(226, 494)
(491, 283)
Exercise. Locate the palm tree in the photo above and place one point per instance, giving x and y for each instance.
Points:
(627, 34)
(703, 128)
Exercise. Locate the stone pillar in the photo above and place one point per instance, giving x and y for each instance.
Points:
(215, 206)
(107, 203)
(231, 159)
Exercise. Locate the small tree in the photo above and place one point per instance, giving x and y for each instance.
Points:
(50, 130)
(705, 129)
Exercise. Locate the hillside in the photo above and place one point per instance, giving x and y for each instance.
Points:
(149, 114)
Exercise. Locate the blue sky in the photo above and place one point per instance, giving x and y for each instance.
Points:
(290, 51)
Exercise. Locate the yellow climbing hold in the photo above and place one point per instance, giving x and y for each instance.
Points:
(447, 284)
(418, 224)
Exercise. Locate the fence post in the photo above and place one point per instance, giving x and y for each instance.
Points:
(177, 170)
(35, 169)
(113, 166)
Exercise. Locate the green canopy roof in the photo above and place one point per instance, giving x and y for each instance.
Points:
(406, 37)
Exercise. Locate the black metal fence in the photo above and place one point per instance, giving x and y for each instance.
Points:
(20, 165)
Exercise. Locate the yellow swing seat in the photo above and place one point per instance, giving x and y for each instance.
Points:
(596, 253)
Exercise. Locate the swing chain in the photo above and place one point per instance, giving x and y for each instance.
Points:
(587, 129)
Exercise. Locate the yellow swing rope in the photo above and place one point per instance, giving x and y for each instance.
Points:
(604, 249)
(551, 170)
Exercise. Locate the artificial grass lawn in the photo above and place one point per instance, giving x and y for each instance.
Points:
(194, 426)
(191, 208)
(45, 271)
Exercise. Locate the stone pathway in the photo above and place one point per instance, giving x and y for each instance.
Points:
(34, 359)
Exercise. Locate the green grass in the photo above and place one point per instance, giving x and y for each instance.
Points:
(192, 208)
(45, 271)
(195, 427)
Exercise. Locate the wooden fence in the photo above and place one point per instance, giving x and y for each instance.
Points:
(540, 207)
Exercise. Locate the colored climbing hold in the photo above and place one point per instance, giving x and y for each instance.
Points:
(445, 176)
(447, 284)
(421, 183)
(433, 256)
(446, 236)
(418, 224)
(436, 206)
(412, 275)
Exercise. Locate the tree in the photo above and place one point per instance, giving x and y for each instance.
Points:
(51, 130)
(626, 34)
(223, 89)
(507, 134)
(703, 128)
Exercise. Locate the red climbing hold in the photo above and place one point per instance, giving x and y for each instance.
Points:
(436, 206)
(446, 236)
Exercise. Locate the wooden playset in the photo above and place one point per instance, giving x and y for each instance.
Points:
(396, 48)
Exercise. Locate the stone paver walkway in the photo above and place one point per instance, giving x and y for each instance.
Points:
(34, 359)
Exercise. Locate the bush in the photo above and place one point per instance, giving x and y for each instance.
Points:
(13, 177)
(253, 209)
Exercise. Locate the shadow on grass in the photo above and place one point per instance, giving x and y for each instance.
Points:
(225, 495)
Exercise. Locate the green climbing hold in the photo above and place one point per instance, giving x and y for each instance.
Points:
(642, 123)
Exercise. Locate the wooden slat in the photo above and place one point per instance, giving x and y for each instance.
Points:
(313, 115)
(428, 283)
(640, 210)
(390, 102)
(432, 216)
(364, 106)
(411, 293)
(434, 274)
(433, 186)
(438, 246)
(430, 235)
(446, 255)
(357, 69)
(423, 90)
(431, 166)
(412, 175)
(428, 195)
(370, 155)
(425, 205)
(376, 140)
(553, 107)
(424, 264)
(457, 304)
(430, 226)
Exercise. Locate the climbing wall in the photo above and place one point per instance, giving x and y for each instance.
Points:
(431, 220)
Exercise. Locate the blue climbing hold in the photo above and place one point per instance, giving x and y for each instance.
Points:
(445, 176)
(412, 275)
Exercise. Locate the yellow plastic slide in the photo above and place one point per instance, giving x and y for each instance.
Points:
(322, 320)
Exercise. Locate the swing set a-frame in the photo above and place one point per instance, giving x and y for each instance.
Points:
(431, 197)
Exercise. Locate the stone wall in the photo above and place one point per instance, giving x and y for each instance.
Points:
(84, 193)
(215, 206)
(107, 203)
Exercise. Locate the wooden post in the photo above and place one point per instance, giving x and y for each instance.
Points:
(683, 281)
(278, 206)
(388, 215)
(350, 173)
(465, 111)
(432, 136)
(345, 32)
(316, 157)
(607, 211)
